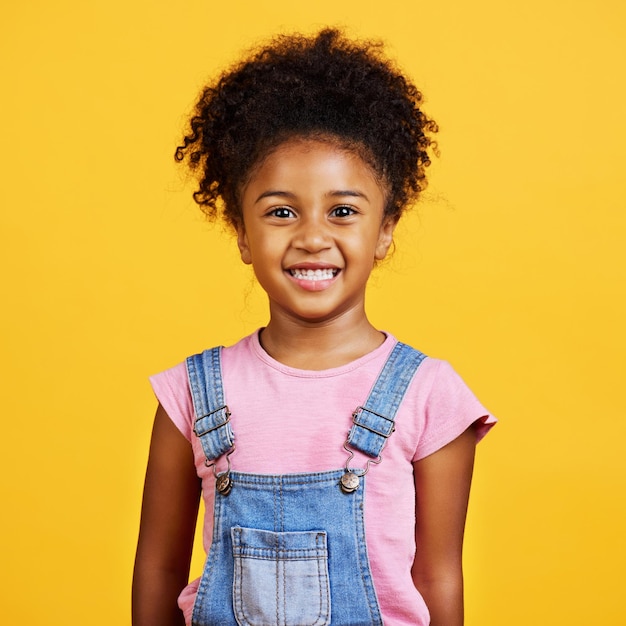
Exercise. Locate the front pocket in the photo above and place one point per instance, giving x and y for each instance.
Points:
(280, 579)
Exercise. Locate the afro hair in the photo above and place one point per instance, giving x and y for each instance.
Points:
(324, 86)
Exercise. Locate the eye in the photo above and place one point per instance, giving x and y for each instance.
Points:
(282, 212)
(343, 211)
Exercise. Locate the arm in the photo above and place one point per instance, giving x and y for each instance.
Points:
(442, 485)
(168, 518)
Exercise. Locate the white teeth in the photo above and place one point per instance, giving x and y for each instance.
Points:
(325, 274)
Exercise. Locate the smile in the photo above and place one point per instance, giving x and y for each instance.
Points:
(319, 274)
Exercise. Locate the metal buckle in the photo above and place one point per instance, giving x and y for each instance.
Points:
(223, 423)
(223, 481)
(355, 420)
(351, 480)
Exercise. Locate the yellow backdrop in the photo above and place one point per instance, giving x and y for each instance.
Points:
(513, 269)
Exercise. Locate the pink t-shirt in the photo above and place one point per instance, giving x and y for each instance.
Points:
(289, 420)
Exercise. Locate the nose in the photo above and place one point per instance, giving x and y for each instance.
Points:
(312, 235)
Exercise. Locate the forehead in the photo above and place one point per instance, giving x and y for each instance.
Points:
(313, 161)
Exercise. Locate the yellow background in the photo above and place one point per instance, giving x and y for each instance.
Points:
(513, 269)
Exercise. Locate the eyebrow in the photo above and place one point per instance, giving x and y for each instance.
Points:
(338, 193)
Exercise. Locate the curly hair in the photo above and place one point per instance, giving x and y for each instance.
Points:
(324, 86)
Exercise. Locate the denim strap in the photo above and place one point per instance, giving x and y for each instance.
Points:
(374, 422)
(212, 424)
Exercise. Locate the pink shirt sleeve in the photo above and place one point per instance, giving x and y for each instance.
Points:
(172, 392)
(449, 410)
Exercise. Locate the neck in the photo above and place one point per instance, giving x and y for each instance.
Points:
(320, 345)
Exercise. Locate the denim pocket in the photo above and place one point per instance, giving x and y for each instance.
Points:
(280, 578)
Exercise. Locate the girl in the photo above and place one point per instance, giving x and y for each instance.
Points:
(334, 462)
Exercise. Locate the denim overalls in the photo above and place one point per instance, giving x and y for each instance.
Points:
(289, 550)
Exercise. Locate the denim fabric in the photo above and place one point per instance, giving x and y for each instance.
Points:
(314, 533)
(374, 421)
(204, 372)
(289, 550)
(280, 577)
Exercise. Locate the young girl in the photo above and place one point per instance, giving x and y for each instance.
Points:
(334, 462)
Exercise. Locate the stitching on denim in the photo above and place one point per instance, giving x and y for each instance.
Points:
(322, 584)
(360, 536)
(282, 505)
(289, 480)
(282, 525)
(276, 585)
(275, 511)
(238, 585)
(284, 570)
(281, 554)
(210, 562)
(364, 569)
(237, 582)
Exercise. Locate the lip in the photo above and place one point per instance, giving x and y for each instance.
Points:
(311, 265)
(312, 283)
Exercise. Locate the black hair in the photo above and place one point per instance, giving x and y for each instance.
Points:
(324, 86)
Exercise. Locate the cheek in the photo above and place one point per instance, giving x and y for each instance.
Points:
(265, 253)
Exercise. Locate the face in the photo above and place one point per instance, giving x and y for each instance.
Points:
(313, 226)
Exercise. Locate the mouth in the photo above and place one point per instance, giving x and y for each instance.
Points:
(314, 274)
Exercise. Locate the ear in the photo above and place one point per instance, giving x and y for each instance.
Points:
(385, 238)
(242, 243)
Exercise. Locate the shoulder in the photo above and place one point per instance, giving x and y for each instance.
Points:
(171, 386)
(177, 376)
(172, 391)
(441, 406)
